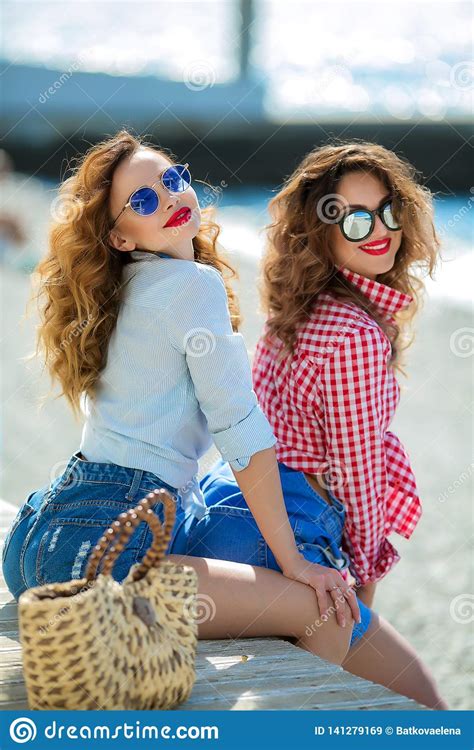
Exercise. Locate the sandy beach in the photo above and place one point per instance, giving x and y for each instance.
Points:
(427, 596)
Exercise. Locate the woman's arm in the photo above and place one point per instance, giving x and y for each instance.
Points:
(261, 487)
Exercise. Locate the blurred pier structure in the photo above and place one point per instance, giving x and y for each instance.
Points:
(225, 129)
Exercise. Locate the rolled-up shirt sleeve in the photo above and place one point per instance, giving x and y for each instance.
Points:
(216, 356)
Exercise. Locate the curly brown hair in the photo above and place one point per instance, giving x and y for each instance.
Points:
(298, 263)
(79, 280)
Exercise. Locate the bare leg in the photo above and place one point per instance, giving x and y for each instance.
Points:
(367, 593)
(384, 656)
(246, 601)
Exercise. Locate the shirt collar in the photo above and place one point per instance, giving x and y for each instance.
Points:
(147, 255)
(387, 300)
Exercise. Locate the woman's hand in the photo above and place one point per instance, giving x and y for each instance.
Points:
(322, 579)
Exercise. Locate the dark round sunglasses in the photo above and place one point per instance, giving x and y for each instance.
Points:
(359, 224)
(145, 200)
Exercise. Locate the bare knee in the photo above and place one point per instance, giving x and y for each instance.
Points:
(326, 638)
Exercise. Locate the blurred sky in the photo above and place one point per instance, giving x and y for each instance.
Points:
(399, 59)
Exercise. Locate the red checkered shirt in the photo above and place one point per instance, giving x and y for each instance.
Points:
(330, 412)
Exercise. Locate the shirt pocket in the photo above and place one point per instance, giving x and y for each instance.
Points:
(70, 534)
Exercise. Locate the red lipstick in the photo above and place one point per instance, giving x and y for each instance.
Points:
(180, 217)
(377, 247)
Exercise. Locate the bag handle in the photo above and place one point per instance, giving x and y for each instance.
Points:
(122, 528)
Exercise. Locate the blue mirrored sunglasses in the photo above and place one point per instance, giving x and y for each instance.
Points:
(145, 200)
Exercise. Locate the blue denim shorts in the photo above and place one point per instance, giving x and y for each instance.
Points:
(57, 527)
(228, 530)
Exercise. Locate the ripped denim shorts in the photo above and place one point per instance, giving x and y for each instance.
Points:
(228, 530)
(57, 527)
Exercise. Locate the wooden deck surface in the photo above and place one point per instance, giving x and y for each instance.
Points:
(249, 673)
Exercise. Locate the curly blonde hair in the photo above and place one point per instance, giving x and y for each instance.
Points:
(79, 280)
(298, 263)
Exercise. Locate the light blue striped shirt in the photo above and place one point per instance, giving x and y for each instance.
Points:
(176, 378)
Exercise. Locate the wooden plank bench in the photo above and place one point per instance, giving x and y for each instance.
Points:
(245, 674)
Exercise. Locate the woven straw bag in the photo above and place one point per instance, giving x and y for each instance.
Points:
(95, 643)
